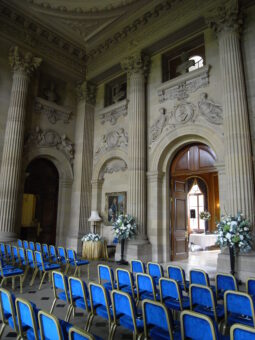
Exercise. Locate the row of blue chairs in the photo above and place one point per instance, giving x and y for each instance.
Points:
(27, 321)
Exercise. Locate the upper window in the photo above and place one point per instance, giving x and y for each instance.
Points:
(183, 59)
(116, 90)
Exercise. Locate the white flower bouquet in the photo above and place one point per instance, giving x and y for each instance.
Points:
(125, 227)
(235, 232)
(91, 237)
(205, 215)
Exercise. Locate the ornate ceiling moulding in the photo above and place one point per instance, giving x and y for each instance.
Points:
(51, 46)
(53, 111)
(112, 113)
(182, 86)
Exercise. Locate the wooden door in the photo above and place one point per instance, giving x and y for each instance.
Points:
(179, 223)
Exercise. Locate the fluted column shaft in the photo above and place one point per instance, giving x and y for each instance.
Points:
(136, 67)
(238, 155)
(13, 143)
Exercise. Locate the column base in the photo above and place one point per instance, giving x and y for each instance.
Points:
(135, 250)
(7, 237)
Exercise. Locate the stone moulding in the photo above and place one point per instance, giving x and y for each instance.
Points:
(53, 111)
(112, 113)
(114, 165)
(182, 86)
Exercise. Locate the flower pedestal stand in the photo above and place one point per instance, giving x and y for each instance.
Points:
(232, 260)
(122, 261)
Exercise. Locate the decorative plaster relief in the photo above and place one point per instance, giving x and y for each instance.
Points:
(182, 86)
(113, 140)
(50, 138)
(211, 111)
(114, 165)
(53, 111)
(114, 112)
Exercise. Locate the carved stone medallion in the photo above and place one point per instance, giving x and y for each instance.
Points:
(183, 112)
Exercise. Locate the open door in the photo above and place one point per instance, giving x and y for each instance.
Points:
(179, 225)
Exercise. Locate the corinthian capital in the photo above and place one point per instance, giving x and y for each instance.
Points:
(86, 91)
(24, 62)
(226, 19)
(136, 63)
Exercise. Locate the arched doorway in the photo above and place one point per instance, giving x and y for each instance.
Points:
(42, 180)
(194, 188)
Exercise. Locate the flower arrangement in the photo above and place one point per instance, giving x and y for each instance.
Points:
(125, 227)
(205, 215)
(234, 232)
(91, 237)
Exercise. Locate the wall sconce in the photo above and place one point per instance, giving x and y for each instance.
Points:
(94, 218)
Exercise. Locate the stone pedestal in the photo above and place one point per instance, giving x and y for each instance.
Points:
(135, 249)
(23, 65)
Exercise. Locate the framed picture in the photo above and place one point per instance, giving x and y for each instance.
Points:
(115, 205)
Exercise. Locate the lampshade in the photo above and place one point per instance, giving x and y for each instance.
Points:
(94, 216)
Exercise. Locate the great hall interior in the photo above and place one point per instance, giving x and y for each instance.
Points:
(138, 107)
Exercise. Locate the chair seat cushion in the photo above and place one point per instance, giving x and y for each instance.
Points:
(31, 335)
(236, 318)
(101, 311)
(79, 303)
(78, 263)
(51, 266)
(12, 272)
(65, 326)
(127, 322)
(209, 311)
(175, 304)
(157, 333)
(149, 296)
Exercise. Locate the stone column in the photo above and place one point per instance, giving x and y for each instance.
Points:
(23, 64)
(238, 156)
(136, 67)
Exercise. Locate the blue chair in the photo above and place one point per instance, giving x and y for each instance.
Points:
(155, 270)
(27, 319)
(106, 276)
(198, 326)
(224, 282)
(200, 277)
(45, 252)
(44, 267)
(25, 244)
(20, 243)
(10, 272)
(78, 334)
(3, 252)
(52, 328)
(60, 291)
(8, 252)
(76, 263)
(79, 296)
(242, 332)
(203, 301)
(239, 308)
(63, 259)
(15, 256)
(31, 264)
(125, 282)
(32, 245)
(158, 322)
(146, 287)
(250, 287)
(8, 313)
(125, 314)
(38, 247)
(171, 295)
(137, 266)
(100, 305)
(177, 273)
(53, 254)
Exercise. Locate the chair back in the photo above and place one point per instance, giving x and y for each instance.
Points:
(9, 250)
(25, 244)
(31, 258)
(78, 289)
(70, 255)
(53, 253)
(145, 283)
(169, 288)
(62, 254)
(202, 296)
(38, 247)
(99, 296)
(32, 245)
(176, 273)
(3, 250)
(49, 326)
(22, 256)
(250, 286)
(137, 266)
(79, 334)
(105, 274)
(7, 302)
(155, 314)
(155, 270)
(225, 282)
(20, 244)
(39, 260)
(242, 332)
(60, 281)
(197, 326)
(125, 280)
(45, 250)
(123, 304)
(15, 253)
(239, 304)
(26, 317)
(199, 277)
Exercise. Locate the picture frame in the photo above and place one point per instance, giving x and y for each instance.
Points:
(115, 205)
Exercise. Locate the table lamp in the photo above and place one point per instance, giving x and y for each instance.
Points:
(94, 218)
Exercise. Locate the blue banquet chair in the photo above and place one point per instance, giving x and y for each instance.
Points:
(224, 282)
(32, 245)
(60, 291)
(198, 326)
(27, 319)
(79, 334)
(20, 243)
(125, 314)
(100, 305)
(242, 332)
(31, 264)
(8, 312)
(25, 244)
(171, 295)
(15, 256)
(125, 281)
(155, 270)
(250, 287)
(76, 263)
(62, 258)
(38, 247)
(53, 254)
(106, 276)
(177, 273)
(158, 322)
(200, 277)
(239, 308)
(44, 267)
(51, 328)
(146, 287)
(137, 266)
(45, 252)
(10, 272)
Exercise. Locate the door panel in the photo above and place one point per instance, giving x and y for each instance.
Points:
(179, 219)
